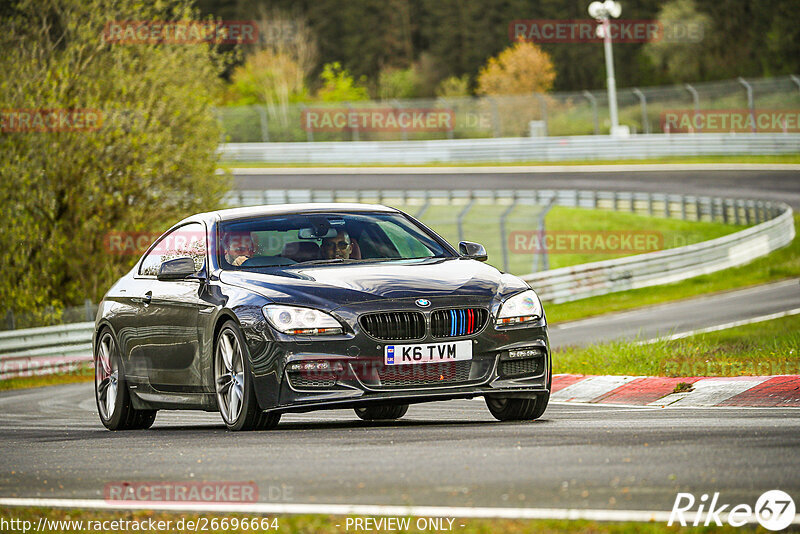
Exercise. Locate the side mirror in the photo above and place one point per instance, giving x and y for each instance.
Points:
(472, 250)
(176, 269)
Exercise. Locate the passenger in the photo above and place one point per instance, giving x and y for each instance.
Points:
(337, 247)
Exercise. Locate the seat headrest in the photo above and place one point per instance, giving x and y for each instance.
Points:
(301, 251)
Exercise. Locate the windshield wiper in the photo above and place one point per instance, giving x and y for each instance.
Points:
(319, 262)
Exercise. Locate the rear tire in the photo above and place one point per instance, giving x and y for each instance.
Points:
(385, 412)
(111, 393)
(511, 409)
(236, 397)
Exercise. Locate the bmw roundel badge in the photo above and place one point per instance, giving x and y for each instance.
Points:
(423, 303)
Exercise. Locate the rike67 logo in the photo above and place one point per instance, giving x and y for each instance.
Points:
(774, 510)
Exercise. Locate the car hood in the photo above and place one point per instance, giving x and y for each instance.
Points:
(332, 286)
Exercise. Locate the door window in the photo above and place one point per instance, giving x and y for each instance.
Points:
(187, 241)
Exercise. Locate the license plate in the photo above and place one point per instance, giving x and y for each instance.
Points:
(427, 353)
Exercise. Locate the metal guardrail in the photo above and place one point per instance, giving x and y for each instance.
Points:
(64, 347)
(510, 149)
(45, 350)
(665, 266)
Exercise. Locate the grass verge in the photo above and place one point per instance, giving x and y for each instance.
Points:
(765, 348)
(778, 265)
(321, 524)
(84, 373)
(776, 158)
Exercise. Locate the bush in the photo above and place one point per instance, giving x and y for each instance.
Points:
(151, 162)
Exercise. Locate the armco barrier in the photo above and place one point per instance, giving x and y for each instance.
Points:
(45, 350)
(664, 266)
(48, 349)
(505, 149)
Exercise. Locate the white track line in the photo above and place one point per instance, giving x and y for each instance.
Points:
(724, 326)
(502, 169)
(364, 510)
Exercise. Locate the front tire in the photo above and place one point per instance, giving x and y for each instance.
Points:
(377, 413)
(511, 409)
(233, 381)
(111, 393)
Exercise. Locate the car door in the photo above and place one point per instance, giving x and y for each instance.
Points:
(167, 329)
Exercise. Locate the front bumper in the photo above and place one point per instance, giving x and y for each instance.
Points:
(356, 375)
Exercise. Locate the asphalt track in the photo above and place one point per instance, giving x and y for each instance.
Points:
(777, 183)
(682, 316)
(440, 454)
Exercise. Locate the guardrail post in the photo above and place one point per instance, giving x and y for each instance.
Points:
(10, 325)
(667, 211)
(462, 214)
(87, 305)
(309, 132)
(543, 107)
(397, 105)
(594, 199)
(353, 131)
(543, 259)
(262, 113)
(698, 212)
(750, 102)
(643, 104)
(683, 208)
(424, 207)
(796, 80)
(696, 100)
(495, 117)
(595, 121)
(725, 205)
(503, 241)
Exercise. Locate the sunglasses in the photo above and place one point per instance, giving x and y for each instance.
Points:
(341, 245)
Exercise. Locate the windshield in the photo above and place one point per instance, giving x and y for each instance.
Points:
(319, 238)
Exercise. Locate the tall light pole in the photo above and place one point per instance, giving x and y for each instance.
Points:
(602, 12)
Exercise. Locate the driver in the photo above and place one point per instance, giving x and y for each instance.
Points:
(239, 249)
(337, 247)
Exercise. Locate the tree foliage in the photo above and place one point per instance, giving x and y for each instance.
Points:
(749, 39)
(338, 85)
(682, 60)
(152, 161)
(523, 68)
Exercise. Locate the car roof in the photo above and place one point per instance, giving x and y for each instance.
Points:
(290, 209)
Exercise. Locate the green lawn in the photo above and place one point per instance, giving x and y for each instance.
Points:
(775, 158)
(765, 348)
(780, 264)
(326, 524)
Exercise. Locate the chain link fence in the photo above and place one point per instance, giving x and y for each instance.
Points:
(551, 114)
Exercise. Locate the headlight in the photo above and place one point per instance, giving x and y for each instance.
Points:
(521, 308)
(295, 321)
